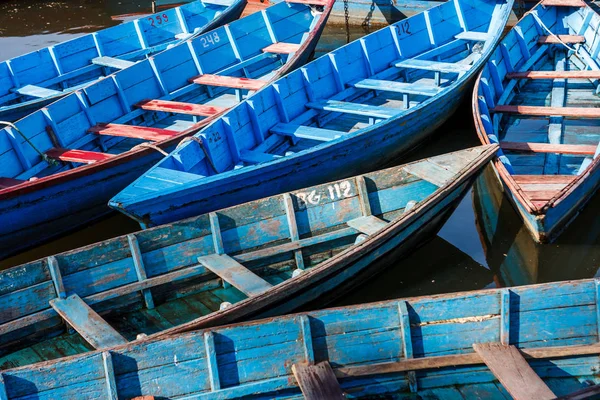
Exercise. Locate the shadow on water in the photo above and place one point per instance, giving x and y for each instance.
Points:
(483, 243)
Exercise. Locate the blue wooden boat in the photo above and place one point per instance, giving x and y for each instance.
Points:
(530, 342)
(266, 257)
(60, 165)
(537, 96)
(349, 111)
(30, 81)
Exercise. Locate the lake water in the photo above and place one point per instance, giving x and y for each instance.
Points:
(467, 254)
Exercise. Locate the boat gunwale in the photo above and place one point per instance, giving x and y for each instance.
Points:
(132, 154)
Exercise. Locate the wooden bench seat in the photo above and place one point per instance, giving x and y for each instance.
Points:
(573, 112)
(78, 156)
(554, 75)
(353, 108)
(309, 2)
(9, 182)
(112, 62)
(134, 132)
(558, 39)
(282, 48)
(397, 87)
(368, 225)
(473, 36)
(563, 3)
(437, 66)
(577, 149)
(512, 370)
(200, 110)
(235, 274)
(317, 382)
(306, 132)
(543, 179)
(37, 91)
(229, 81)
(87, 322)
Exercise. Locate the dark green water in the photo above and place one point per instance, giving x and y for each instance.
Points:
(463, 256)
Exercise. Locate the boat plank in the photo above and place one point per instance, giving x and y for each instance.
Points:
(87, 322)
(282, 48)
(438, 66)
(37, 91)
(354, 108)
(559, 39)
(235, 273)
(78, 156)
(317, 382)
(564, 3)
(397, 87)
(430, 172)
(549, 179)
(574, 112)
(306, 132)
(134, 132)
(588, 74)
(579, 149)
(112, 62)
(200, 110)
(369, 224)
(229, 81)
(513, 371)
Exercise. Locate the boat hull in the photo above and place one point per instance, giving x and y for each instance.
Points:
(380, 145)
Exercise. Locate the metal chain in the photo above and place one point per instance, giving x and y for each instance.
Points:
(347, 20)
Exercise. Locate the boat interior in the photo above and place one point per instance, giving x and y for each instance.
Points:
(155, 99)
(538, 97)
(162, 277)
(53, 71)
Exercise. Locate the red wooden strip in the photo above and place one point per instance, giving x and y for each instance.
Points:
(575, 112)
(541, 195)
(135, 132)
(563, 3)
(554, 75)
(229, 81)
(281, 48)
(581, 149)
(181, 108)
(309, 2)
(568, 39)
(78, 156)
(524, 179)
(8, 182)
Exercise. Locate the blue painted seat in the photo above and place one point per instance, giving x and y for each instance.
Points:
(398, 87)
(306, 132)
(433, 66)
(354, 108)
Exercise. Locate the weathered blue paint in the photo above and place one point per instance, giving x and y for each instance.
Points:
(547, 189)
(62, 197)
(190, 181)
(266, 257)
(33, 80)
(373, 349)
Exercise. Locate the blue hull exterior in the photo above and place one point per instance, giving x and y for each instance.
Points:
(151, 200)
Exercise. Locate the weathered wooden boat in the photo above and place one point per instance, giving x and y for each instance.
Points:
(266, 257)
(60, 165)
(347, 112)
(537, 97)
(530, 342)
(33, 80)
(513, 255)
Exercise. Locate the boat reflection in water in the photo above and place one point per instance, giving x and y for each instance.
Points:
(512, 253)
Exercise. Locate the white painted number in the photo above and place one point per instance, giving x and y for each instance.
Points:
(209, 39)
(335, 192)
